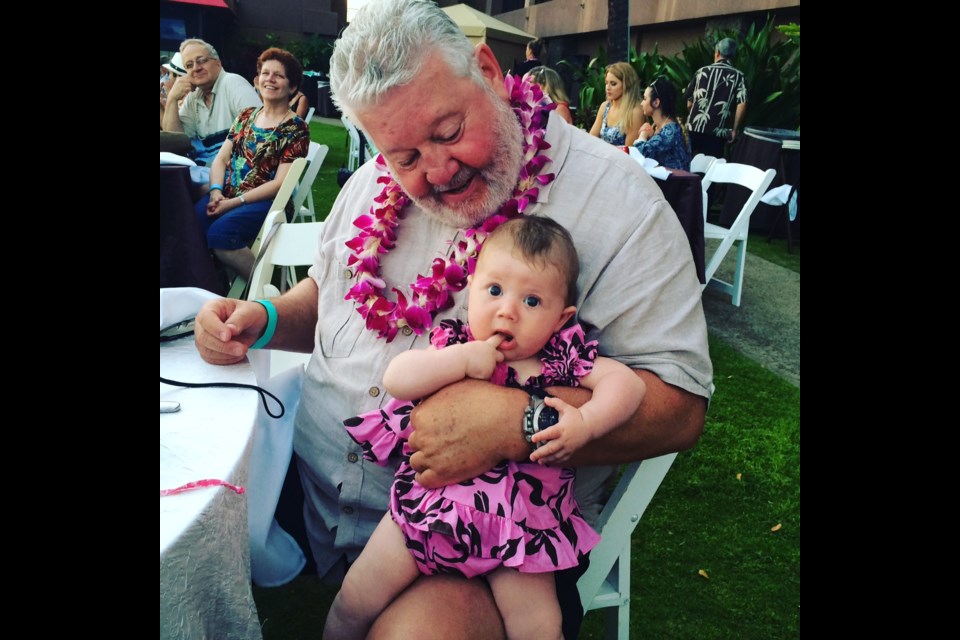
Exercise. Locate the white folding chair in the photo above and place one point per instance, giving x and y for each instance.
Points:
(309, 115)
(303, 197)
(701, 163)
(757, 182)
(280, 201)
(606, 583)
(286, 245)
(289, 245)
(353, 155)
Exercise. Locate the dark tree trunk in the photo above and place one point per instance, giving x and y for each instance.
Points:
(618, 30)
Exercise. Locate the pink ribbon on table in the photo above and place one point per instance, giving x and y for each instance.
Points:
(200, 484)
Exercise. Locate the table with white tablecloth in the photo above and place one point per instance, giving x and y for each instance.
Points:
(205, 589)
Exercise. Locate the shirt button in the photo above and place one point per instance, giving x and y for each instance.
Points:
(348, 274)
(352, 457)
(348, 510)
(406, 331)
(374, 392)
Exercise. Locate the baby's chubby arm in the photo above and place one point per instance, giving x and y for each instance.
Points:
(419, 372)
(617, 393)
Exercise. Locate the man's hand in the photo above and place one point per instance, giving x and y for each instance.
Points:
(225, 328)
(482, 357)
(466, 429)
(180, 88)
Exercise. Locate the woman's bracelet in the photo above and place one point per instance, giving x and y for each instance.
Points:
(242, 199)
(271, 324)
(218, 187)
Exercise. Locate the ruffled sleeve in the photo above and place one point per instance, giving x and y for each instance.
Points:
(382, 433)
(568, 357)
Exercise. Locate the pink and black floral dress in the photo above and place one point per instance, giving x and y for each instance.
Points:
(519, 514)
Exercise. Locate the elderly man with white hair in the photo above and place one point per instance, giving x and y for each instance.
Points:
(214, 99)
(463, 149)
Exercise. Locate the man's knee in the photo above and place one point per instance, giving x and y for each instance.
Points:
(441, 607)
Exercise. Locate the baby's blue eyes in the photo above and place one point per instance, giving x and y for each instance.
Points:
(496, 291)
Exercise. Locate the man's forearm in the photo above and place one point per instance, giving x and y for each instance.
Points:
(296, 318)
(738, 117)
(171, 117)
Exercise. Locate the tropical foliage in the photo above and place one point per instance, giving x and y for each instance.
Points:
(772, 71)
(313, 52)
(591, 79)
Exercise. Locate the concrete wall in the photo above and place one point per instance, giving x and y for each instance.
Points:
(573, 30)
(284, 17)
(563, 17)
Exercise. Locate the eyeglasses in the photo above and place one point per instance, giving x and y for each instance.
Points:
(199, 61)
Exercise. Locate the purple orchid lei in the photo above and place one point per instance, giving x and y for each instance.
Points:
(432, 293)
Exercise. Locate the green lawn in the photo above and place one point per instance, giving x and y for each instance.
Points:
(325, 188)
(704, 518)
(775, 251)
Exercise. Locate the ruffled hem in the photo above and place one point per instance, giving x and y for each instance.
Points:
(468, 542)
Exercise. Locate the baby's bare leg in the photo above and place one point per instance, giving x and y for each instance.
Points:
(527, 603)
(384, 569)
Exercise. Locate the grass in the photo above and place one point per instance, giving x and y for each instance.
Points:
(325, 187)
(702, 518)
(775, 251)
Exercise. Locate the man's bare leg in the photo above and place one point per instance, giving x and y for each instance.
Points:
(441, 607)
(384, 569)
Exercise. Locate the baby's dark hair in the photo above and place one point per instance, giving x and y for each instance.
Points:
(542, 241)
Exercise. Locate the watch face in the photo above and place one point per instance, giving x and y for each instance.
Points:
(548, 417)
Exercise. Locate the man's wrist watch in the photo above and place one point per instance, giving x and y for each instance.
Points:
(537, 417)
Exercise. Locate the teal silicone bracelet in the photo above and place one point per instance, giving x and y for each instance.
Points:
(271, 325)
(216, 186)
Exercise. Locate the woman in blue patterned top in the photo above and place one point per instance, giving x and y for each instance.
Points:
(664, 141)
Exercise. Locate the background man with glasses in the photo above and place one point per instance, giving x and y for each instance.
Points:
(214, 99)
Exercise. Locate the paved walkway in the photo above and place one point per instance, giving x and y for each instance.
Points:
(766, 325)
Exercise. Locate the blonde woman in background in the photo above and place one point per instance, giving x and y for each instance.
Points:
(549, 80)
(618, 119)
